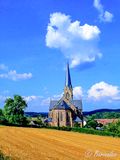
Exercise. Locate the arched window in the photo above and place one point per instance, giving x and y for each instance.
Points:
(67, 95)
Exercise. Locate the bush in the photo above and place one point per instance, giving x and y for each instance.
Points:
(86, 130)
(65, 128)
(95, 132)
(92, 124)
(113, 127)
(59, 128)
(76, 124)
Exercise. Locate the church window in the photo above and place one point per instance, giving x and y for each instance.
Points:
(67, 95)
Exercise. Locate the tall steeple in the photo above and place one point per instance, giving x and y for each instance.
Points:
(68, 78)
(68, 91)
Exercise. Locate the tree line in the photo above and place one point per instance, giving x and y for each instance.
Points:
(13, 114)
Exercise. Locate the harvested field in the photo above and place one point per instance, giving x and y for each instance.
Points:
(45, 144)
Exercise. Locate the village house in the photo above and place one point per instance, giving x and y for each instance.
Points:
(106, 121)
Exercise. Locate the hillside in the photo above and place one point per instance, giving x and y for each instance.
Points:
(46, 144)
(85, 113)
(101, 111)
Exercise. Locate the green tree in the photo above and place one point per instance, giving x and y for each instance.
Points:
(2, 117)
(104, 115)
(113, 127)
(14, 110)
(92, 124)
(1, 114)
(39, 121)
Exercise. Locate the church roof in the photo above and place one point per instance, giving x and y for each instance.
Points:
(68, 78)
(48, 120)
(77, 103)
(61, 104)
(77, 119)
(52, 104)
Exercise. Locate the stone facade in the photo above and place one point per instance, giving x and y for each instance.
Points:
(66, 111)
(60, 117)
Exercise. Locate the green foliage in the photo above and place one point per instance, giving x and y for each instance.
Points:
(59, 128)
(104, 115)
(14, 110)
(38, 121)
(3, 157)
(113, 127)
(65, 128)
(2, 117)
(76, 124)
(92, 124)
(95, 132)
(86, 130)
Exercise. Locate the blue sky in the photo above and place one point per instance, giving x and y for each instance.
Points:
(37, 38)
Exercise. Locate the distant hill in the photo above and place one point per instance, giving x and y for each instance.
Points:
(45, 114)
(35, 114)
(100, 111)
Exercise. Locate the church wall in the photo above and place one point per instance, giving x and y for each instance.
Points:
(61, 118)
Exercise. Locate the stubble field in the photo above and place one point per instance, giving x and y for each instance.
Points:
(45, 144)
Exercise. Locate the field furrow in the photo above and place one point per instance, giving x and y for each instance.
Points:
(45, 144)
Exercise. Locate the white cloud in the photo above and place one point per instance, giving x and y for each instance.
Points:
(13, 75)
(57, 96)
(77, 92)
(42, 101)
(98, 5)
(108, 16)
(103, 15)
(39, 100)
(117, 98)
(31, 98)
(103, 90)
(3, 67)
(77, 42)
(85, 32)
(45, 102)
(3, 98)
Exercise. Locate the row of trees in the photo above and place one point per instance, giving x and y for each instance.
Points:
(13, 111)
(104, 115)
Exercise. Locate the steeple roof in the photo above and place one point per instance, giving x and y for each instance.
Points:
(68, 78)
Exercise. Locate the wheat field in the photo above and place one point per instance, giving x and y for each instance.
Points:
(46, 144)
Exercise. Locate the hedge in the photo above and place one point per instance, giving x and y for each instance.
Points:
(86, 130)
(95, 132)
(59, 128)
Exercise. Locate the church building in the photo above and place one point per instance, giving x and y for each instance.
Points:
(66, 111)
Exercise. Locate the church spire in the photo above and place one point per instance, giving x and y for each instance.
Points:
(68, 91)
(68, 78)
